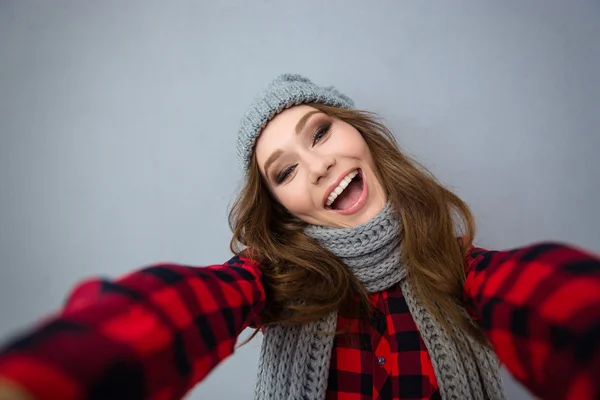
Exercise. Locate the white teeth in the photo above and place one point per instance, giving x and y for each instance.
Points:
(340, 188)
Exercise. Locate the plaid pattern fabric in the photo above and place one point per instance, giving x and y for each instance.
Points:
(540, 307)
(158, 331)
(384, 358)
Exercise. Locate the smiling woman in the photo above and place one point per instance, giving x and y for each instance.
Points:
(299, 162)
(356, 264)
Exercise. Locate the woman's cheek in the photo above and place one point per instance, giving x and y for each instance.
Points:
(297, 202)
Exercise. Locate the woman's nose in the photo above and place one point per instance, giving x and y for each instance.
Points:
(319, 167)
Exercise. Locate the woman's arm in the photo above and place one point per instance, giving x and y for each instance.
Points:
(152, 334)
(11, 391)
(540, 307)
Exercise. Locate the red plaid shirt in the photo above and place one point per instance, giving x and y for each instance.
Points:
(157, 332)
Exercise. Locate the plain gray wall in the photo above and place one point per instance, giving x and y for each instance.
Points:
(118, 123)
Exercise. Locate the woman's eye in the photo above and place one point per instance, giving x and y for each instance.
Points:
(284, 174)
(321, 132)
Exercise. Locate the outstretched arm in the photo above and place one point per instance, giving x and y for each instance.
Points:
(540, 307)
(152, 334)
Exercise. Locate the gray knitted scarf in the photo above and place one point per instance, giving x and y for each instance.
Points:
(294, 361)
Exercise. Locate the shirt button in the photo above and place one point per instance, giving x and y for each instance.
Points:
(380, 360)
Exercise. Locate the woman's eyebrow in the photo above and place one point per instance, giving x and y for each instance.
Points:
(302, 122)
(276, 154)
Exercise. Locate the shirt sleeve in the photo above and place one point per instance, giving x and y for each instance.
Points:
(540, 307)
(152, 334)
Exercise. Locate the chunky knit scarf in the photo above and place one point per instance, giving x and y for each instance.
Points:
(294, 361)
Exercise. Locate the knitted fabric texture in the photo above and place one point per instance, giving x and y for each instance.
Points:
(283, 92)
(294, 361)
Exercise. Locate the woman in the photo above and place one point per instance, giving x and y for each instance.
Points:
(347, 258)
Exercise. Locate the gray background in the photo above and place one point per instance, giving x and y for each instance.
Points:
(118, 123)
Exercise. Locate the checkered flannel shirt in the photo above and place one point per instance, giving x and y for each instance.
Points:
(157, 332)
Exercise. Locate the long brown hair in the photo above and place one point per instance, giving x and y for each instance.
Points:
(304, 281)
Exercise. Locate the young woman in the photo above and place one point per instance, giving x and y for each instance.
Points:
(357, 266)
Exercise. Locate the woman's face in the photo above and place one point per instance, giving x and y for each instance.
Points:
(319, 168)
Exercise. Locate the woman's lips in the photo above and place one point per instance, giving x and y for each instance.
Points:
(334, 185)
(362, 199)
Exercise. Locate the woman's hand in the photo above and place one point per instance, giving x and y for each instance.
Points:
(10, 391)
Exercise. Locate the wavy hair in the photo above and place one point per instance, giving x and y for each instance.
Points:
(305, 282)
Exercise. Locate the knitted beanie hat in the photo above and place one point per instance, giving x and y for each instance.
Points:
(283, 92)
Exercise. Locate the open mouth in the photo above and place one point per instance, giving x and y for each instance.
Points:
(348, 193)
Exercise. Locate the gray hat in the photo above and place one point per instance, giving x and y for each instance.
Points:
(283, 92)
